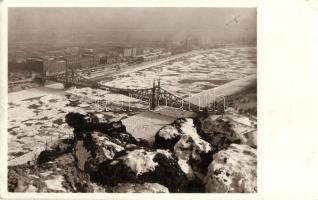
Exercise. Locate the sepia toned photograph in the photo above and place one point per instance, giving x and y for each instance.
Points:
(132, 100)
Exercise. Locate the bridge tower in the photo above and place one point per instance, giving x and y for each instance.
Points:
(155, 95)
(67, 83)
(43, 78)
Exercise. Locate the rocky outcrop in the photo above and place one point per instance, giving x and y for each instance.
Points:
(51, 176)
(85, 124)
(193, 153)
(167, 137)
(140, 188)
(213, 154)
(139, 165)
(233, 170)
(95, 148)
(16, 181)
(55, 150)
(222, 130)
(110, 155)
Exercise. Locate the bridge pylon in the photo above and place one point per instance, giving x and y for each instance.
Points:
(67, 82)
(155, 95)
(42, 80)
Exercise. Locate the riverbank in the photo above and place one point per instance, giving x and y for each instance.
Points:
(207, 97)
(105, 73)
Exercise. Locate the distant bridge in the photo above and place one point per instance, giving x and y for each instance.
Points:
(156, 95)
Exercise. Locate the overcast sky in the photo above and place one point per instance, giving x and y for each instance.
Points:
(131, 23)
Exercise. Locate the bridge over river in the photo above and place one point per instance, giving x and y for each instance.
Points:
(157, 96)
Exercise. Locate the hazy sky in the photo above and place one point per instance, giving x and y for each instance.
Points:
(131, 23)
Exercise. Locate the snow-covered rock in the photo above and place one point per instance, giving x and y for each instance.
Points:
(168, 132)
(95, 148)
(181, 137)
(167, 137)
(233, 170)
(55, 149)
(221, 131)
(140, 188)
(250, 138)
(140, 161)
(84, 124)
(55, 183)
(45, 177)
(139, 165)
(194, 152)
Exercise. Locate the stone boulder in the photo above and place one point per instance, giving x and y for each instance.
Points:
(222, 130)
(85, 124)
(140, 165)
(167, 137)
(182, 137)
(140, 188)
(46, 177)
(233, 170)
(194, 155)
(56, 149)
(95, 148)
(17, 182)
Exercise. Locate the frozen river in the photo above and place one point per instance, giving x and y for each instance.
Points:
(194, 73)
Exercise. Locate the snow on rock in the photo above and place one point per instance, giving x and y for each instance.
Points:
(139, 165)
(84, 124)
(251, 138)
(221, 131)
(168, 132)
(233, 170)
(167, 137)
(32, 189)
(186, 168)
(55, 149)
(181, 137)
(195, 152)
(140, 161)
(95, 148)
(46, 177)
(140, 188)
(81, 154)
(55, 183)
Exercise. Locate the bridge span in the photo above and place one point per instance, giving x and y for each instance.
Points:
(156, 95)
